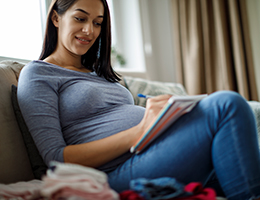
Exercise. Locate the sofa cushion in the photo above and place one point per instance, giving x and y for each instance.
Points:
(153, 88)
(38, 166)
(15, 163)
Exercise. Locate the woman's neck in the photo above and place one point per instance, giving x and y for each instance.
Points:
(68, 62)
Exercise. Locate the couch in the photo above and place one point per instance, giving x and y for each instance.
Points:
(19, 158)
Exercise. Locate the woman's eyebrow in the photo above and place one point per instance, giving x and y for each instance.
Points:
(78, 9)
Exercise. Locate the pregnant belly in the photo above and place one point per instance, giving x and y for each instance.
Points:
(103, 124)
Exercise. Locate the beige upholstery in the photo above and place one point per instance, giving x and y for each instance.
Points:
(14, 162)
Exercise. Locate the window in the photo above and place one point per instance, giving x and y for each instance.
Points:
(127, 34)
(21, 32)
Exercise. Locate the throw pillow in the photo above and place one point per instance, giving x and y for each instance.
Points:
(153, 88)
(38, 166)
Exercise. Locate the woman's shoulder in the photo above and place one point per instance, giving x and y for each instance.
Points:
(46, 68)
(37, 64)
(34, 66)
(42, 69)
(37, 73)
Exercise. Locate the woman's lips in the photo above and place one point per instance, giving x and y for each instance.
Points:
(83, 40)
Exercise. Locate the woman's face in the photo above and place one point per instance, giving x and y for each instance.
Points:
(79, 27)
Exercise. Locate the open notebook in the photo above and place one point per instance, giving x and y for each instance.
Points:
(175, 107)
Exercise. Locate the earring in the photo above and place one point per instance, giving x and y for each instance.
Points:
(99, 48)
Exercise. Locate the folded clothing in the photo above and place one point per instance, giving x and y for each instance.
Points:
(21, 190)
(76, 182)
(195, 191)
(62, 181)
(157, 189)
(170, 189)
(70, 181)
(130, 195)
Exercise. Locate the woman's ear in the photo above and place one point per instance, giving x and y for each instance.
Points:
(55, 18)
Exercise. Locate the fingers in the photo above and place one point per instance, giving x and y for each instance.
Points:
(157, 102)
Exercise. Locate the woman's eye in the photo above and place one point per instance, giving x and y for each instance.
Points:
(79, 19)
(97, 23)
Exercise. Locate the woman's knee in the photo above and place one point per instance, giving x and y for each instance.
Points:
(229, 98)
(227, 95)
(232, 103)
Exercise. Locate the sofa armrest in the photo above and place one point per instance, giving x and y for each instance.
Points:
(255, 105)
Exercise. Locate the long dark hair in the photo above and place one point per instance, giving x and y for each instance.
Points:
(97, 57)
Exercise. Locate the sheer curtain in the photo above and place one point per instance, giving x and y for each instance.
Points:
(212, 46)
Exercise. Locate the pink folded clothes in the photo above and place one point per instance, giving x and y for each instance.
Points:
(71, 181)
(21, 190)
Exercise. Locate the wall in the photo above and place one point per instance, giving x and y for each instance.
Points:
(253, 8)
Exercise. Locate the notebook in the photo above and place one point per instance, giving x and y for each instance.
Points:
(175, 107)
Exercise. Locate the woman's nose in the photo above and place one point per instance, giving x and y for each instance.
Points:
(88, 28)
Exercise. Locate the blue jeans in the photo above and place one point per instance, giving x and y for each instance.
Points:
(218, 134)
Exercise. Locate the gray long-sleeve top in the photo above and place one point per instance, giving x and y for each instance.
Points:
(64, 107)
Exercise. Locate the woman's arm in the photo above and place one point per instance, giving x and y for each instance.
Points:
(96, 153)
(38, 99)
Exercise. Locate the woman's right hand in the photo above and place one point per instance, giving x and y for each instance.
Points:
(153, 107)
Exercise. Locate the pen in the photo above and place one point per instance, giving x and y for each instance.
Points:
(144, 96)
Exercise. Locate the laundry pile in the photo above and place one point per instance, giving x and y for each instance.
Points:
(75, 182)
(63, 181)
